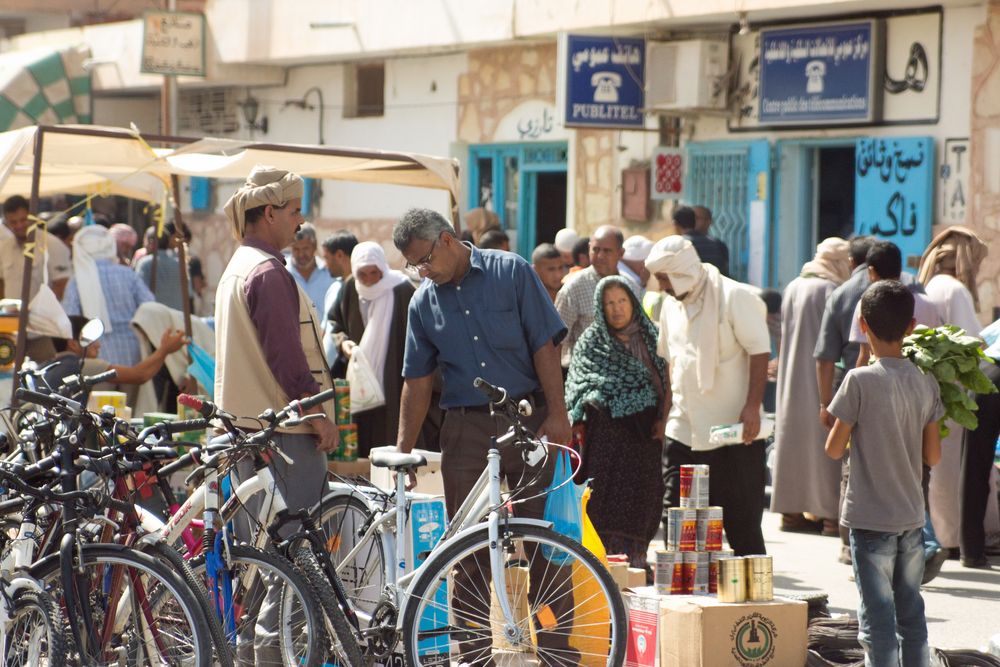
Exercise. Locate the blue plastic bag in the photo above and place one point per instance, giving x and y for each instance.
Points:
(563, 506)
(202, 368)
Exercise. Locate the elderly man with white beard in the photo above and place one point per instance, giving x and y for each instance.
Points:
(713, 334)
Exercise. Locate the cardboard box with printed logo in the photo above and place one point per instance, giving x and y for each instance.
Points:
(700, 631)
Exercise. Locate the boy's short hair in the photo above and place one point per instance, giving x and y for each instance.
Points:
(887, 307)
(494, 239)
(886, 258)
(545, 251)
(857, 248)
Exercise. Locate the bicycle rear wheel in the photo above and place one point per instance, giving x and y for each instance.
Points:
(341, 517)
(567, 609)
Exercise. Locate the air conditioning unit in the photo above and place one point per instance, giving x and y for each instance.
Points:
(686, 75)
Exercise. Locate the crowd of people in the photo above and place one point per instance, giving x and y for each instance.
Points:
(630, 348)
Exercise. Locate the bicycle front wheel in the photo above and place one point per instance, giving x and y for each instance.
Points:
(566, 607)
(342, 518)
(35, 634)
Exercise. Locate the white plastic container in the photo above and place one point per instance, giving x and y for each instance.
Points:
(732, 434)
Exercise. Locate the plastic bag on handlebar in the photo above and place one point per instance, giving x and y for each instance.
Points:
(563, 507)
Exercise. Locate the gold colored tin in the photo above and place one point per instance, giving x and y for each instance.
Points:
(732, 582)
(760, 578)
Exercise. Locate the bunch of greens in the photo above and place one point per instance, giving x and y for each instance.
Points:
(953, 359)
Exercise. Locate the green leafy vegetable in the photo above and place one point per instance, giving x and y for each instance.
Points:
(953, 359)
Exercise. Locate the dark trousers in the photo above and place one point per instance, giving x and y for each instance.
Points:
(978, 448)
(736, 483)
(465, 442)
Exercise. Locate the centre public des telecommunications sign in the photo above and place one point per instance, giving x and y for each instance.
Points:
(819, 74)
(605, 81)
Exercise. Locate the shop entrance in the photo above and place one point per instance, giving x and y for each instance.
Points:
(834, 192)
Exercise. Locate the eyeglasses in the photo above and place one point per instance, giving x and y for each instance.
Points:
(425, 263)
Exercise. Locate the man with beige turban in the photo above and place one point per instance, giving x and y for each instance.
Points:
(805, 478)
(713, 333)
(268, 348)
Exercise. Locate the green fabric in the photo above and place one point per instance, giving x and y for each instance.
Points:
(48, 70)
(603, 371)
(8, 112)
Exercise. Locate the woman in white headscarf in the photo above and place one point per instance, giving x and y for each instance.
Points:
(103, 289)
(370, 313)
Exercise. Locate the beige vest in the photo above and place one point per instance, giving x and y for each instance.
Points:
(244, 383)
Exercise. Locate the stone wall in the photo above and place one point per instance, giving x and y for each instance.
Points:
(984, 216)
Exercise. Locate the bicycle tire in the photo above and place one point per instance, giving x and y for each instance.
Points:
(364, 578)
(161, 581)
(163, 551)
(50, 649)
(344, 644)
(540, 616)
(268, 564)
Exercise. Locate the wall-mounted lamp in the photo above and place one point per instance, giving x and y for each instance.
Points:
(744, 24)
(250, 107)
(302, 104)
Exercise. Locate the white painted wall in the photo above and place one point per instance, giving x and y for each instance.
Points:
(122, 111)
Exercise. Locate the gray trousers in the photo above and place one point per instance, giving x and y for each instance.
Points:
(302, 485)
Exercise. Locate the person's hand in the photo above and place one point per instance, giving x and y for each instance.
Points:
(188, 385)
(826, 420)
(659, 428)
(556, 427)
(329, 438)
(411, 480)
(579, 432)
(347, 347)
(172, 340)
(750, 418)
(772, 370)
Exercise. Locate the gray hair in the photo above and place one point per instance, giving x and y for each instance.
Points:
(306, 232)
(419, 223)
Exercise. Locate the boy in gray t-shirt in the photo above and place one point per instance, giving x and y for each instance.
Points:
(889, 414)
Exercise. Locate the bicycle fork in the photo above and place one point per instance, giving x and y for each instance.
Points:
(511, 630)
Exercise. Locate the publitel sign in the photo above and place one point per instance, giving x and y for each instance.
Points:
(605, 84)
(173, 43)
(667, 174)
(819, 74)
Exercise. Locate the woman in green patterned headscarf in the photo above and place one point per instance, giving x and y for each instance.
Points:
(618, 397)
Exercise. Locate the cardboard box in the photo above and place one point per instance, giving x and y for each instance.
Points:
(619, 572)
(636, 577)
(428, 476)
(700, 631)
(359, 468)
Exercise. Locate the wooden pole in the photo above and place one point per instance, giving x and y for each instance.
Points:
(22, 321)
(181, 253)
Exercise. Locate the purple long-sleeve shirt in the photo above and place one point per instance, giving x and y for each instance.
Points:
(273, 301)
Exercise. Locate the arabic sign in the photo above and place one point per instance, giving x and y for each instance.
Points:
(911, 90)
(894, 187)
(818, 74)
(173, 43)
(605, 81)
(533, 120)
(667, 175)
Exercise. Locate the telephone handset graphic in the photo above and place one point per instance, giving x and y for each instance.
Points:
(606, 86)
(815, 71)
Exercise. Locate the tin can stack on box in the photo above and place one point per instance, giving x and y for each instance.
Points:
(347, 450)
(693, 541)
(747, 578)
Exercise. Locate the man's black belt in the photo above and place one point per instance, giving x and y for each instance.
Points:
(536, 398)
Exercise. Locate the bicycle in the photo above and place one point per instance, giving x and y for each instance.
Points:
(568, 609)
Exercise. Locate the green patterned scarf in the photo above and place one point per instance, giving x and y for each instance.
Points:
(603, 370)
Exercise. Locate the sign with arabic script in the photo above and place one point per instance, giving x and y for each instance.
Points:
(173, 43)
(894, 190)
(819, 74)
(605, 84)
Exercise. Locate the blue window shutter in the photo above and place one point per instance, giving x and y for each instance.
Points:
(201, 193)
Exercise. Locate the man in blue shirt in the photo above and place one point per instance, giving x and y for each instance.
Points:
(305, 268)
(481, 313)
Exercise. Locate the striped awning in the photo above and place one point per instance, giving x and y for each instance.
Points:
(44, 87)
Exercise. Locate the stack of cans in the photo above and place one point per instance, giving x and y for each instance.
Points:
(746, 578)
(347, 450)
(689, 565)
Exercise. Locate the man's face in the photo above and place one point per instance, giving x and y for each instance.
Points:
(663, 278)
(17, 222)
(334, 262)
(285, 222)
(433, 259)
(369, 275)
(304, 254)
(605, 253)
(551, 272)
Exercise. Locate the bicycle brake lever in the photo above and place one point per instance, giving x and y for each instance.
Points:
(537, 454)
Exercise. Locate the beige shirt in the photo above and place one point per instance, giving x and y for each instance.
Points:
(12, 262)
(742, 333)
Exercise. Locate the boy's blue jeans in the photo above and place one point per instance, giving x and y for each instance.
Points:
(887, 571)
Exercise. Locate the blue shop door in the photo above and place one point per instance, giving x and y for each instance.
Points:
(894, 194)
(732, 179)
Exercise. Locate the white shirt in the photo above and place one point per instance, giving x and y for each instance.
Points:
(924, 312)
(742, 333)
(954, 302)
(12, 262)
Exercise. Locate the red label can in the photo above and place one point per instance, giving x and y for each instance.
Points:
(687, 530)
(709, 529)
(695, 580)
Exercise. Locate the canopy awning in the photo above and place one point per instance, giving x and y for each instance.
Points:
(42, 86)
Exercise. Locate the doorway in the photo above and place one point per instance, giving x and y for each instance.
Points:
(550, 214)
(834, 192)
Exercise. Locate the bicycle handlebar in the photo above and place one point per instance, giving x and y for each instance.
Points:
(53, 401)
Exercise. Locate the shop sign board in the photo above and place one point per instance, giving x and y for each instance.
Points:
(894, 188)
(173, 43)
(604, 81)
(819, 74)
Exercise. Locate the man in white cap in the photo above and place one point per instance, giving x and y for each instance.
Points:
(566, 238)
(633, 262)
(267, 341)
(713, 333)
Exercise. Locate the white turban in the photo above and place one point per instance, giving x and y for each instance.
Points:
(377, 302)
(565, 240)
(264, 186)
(700, 285)
(92, 243)
(637, 248)
(832, 261)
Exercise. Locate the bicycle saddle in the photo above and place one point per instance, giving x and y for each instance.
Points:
(380, 458)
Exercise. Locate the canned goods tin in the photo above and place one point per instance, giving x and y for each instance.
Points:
(673, 528)
(709, 529)
(695, 572)
(342, 401)
(686, 530)
(760, 578)
(694, 486)
(732, 582)
(669, 574)
(713, 568)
